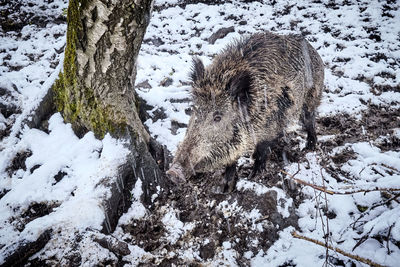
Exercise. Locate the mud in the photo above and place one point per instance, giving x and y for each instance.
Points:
(34, 211)
(19, 162)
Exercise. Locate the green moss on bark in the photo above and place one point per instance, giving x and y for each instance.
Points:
(78, 104)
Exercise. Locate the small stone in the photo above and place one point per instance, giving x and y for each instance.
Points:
(154, 41)
(145, 85)
(207, 251)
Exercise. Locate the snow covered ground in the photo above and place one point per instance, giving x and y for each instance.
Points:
(51, 179)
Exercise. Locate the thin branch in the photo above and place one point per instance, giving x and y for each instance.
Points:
(390, 167)
(266, 217)
(332, 192)
(319, 188)
(388, 238)
(362, 239)
(338, 250)
(327, 237)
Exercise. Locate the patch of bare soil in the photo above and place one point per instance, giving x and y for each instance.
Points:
(375, 122)
(19, 162)
(219, 217)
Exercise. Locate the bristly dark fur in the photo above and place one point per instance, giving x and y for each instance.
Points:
(284, 102)
(239, 88)
(197, 71)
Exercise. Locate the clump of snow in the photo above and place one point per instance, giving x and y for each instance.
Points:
(227, 256)
(175, 227)
(137, 209)
(233, 209)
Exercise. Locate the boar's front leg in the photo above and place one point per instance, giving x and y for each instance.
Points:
(309, 125)
(260, 155)
(230, 178)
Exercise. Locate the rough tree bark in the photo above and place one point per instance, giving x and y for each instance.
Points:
(95, 90)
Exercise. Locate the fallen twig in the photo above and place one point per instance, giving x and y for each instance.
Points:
(362, 239)
(388, 238)
(338, 250)
(319, 188)
(262, 219)
(332, 192)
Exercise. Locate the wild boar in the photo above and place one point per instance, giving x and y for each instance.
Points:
(246, 99)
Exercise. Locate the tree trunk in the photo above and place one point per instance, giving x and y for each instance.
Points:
(95, 91)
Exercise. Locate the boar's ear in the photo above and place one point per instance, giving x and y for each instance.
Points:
(239, 88)
(197, 71)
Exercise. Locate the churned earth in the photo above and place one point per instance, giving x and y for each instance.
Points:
(52, 182)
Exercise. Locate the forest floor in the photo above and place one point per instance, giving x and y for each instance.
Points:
(52, 182)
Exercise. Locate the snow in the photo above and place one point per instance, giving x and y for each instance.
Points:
(358, 67)
(346, 206)
(86, 163)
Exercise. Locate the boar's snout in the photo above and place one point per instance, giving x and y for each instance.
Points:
(175, 174)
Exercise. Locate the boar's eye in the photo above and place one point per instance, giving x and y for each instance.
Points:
(217, 116)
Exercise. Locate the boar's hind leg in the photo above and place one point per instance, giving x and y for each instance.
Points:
(309, 125)
(230, 178)
(260, 155)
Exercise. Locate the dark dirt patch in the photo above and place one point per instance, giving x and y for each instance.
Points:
(221, 33)
(145, 85)
(8, 109)
(144, 109)
(115, 246)
(344, 156)
(3, 192)
(207, 251)
(141, 230)
(375, 122)
(5, 132)
(154, 41)
(214, 219)
(37, 166)
(59, 176)
(20, 255)
(19, 162)
(34, 211)
(175, 126)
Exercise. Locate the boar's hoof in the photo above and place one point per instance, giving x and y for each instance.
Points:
(175, 174)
